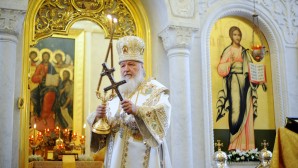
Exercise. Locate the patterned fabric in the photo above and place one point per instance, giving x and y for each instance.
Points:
(131, 48)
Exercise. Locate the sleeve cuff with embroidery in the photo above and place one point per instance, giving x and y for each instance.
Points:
(153, 123)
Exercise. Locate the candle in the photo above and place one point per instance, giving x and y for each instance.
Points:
(82, 139)
(57, 131)
(34, 130)
(61, 146)
(74, 136)
(39, 136)
(47, 132)
(66, 134)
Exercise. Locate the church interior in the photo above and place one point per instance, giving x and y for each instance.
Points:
(229, 107)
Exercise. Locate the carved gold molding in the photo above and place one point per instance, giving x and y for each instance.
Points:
(57, 16)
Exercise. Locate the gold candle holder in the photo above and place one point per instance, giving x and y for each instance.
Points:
(35, 141)
(82, 141)
(102, 126)
(72, 143)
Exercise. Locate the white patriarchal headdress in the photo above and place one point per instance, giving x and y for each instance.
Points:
(131, 48)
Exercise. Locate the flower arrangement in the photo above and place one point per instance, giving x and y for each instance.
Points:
(242, 156)
(35, 158)
(85, 157)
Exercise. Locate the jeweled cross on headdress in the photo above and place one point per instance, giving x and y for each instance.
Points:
(115, 85)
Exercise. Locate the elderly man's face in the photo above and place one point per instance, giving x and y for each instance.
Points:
(129, 69)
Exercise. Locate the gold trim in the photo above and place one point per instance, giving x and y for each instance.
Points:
(82, 5)
(147, 156)
(20, 103)
(125, 145)
(53, 17)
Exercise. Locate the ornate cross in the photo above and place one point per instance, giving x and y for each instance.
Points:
(265, 144)
(115, 85)
(218, 145)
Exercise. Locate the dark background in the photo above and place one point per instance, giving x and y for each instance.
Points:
(224, 136)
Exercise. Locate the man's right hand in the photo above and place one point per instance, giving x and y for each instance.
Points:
(101, 111)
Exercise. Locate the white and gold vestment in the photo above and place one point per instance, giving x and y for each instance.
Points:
(139, 141)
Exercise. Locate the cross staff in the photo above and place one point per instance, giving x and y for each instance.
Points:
(115, 85)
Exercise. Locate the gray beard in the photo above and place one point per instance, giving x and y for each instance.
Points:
(131, 84)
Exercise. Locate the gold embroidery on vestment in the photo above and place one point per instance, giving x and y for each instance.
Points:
(125, 147)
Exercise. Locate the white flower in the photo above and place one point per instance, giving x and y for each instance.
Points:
(254, 150)
(238, 155)
(242, 153)
(85, 158)
(35, 158)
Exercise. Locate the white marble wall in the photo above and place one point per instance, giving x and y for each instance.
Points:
(10, 58)
(177, 41)
(7, 102)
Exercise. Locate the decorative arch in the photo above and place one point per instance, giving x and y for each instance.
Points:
(56, 17)
(275, 41)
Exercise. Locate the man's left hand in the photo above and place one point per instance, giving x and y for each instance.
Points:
(129, 107)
